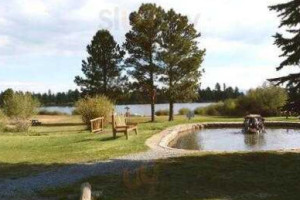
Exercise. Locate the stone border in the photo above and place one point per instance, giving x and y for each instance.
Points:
(163, 139)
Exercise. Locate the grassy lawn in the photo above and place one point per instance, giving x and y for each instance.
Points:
(236, 176)
(63, 140)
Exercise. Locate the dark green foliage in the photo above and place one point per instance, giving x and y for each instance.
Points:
(209, 95)
(181, 59)
(290, 18)
(58, 99)
(5, 95)
(184, 111)
(142, 46)
(102, 68)
(162, 112)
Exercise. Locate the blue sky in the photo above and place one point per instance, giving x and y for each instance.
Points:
(42, 42)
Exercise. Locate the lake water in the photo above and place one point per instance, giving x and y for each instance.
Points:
(138, 109)
(233, 139)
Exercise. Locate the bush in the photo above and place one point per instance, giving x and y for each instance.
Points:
(164, 112)
(20, 106)
(90, 108)
(47, 112)
(184, 111)
(2, 121)
(21, 126)
(266, 100)
(209, 110)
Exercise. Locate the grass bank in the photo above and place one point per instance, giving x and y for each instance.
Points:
(63, 140)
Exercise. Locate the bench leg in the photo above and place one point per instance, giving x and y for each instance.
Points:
(136, 131)
(114, 134)
(126, 134)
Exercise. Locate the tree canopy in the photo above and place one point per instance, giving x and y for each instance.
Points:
(142, 45)
(102, 68)
(181, 59)
(290, 45)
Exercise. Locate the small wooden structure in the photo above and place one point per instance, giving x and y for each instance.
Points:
(35, 122)
(97, 124)
(254, 124)
(120, 124)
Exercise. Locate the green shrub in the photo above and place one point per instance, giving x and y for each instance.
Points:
(184, 111)
(212, 110)
(75, 112)
(47, 112)
(90, 108)
(266, 100)
(3, 121)
(164, 112)
(20, 106)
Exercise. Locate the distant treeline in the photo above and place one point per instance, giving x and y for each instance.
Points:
(135, 96)
(218, 93)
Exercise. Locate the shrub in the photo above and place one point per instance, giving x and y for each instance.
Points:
(266, 100)
(20, 106)
(164, 112)
(21, 126)
(209, 110)
(90, 108)
(184, 111)
(2, 121)
(47, 112)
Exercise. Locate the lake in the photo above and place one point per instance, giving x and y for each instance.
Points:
(137, 109)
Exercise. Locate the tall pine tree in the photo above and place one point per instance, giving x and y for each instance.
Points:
(142, 46)
(290, 46)
(181, 59)
(102, 68)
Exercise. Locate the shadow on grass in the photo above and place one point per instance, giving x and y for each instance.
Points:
(61, 124)
(211, 176)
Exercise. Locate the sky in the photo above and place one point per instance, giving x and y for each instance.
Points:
(42, 42)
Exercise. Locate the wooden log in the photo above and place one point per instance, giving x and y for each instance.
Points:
(86, 192)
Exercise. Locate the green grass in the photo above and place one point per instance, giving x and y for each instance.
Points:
(64, 141)
(236, 176)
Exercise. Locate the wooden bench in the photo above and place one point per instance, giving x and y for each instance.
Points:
(97, 124)
(120, 124)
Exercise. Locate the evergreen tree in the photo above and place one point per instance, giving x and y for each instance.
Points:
(102, 67)
(290, 46)
(141, 44)
(181, 59)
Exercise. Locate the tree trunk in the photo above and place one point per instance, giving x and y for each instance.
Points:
(171, 111)
(153, 111)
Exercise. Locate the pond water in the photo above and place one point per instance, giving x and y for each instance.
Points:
(137, 109)
(233, 139)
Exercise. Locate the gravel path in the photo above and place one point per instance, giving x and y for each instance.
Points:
(26, 187)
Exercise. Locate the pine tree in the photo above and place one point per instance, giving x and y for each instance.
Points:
(181, 59)
(290, 46)
(141, 44)
(102, 67)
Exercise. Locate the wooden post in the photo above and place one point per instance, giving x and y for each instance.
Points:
(86, 192)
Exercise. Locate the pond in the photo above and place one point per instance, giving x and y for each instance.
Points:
(137, 109)
(233, 139)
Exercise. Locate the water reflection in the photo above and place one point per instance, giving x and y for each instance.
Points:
(235, 140)
(252, 140)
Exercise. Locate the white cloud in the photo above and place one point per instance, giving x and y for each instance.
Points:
(32, 8)
(237, 34)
